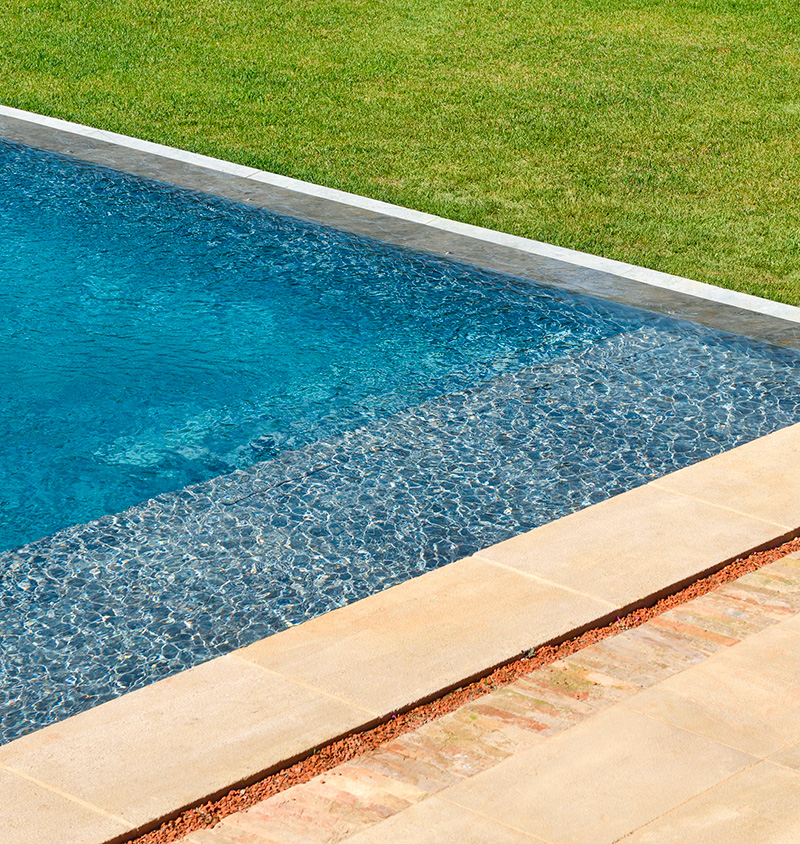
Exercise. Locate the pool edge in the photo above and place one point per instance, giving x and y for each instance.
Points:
(93, 763)
(579, 271)
(144, 757)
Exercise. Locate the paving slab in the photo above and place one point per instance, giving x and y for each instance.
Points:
(788, 757)
(143, 754)
(761, 805)
(31, 812)
(747, 697)
(637, 544)
(563, 754)
(760, 480)
(592, 784)
(440, 821)
(395, 648)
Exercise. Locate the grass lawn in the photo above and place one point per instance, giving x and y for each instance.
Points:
(661, 132)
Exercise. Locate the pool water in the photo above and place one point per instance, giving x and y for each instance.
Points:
(152, 338)
(319, 416)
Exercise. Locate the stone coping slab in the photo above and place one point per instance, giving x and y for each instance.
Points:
(122, 767)
(721, 668)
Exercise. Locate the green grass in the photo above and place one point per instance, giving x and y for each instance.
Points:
(660, 132)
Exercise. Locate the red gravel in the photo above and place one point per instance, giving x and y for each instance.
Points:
(331, 755)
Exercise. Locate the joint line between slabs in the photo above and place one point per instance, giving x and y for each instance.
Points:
(472, 811)
(66, 795)
(563, 587)
(297, 682)
(787, 746)
(690, 799)
(782, 765)
(624, 705)
(657, 483)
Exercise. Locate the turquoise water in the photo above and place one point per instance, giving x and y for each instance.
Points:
(388, 412)
(152, 338)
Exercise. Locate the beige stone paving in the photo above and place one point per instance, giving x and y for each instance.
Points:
(638, 543)
(761, 805)
(659, 734)
(754, 482)
(185, 723)
(600, 780)
(56, 815)
(429, 629)
(748, 697)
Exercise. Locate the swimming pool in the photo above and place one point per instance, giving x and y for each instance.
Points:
(153, 338)
(383, 412)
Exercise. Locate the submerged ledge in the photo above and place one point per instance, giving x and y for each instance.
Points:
(120, 768)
